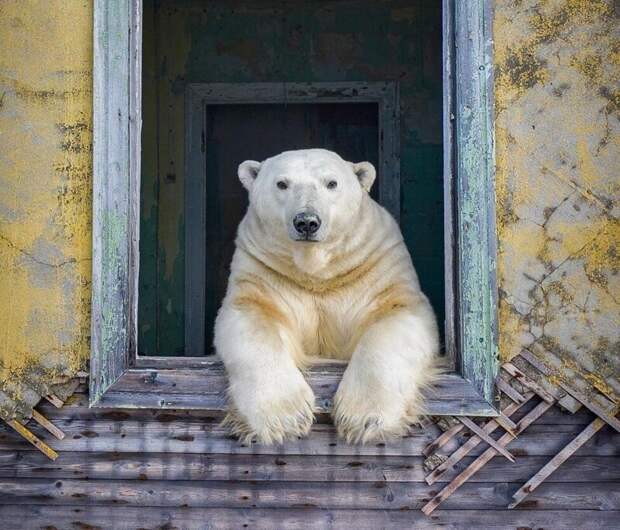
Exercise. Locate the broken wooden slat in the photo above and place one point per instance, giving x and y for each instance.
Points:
(525, 422)
(440, 471)
(508, 425)
(556, 462)
(47, 424)
(606, 415)
(40, 445)
(481, 433)
(526, 381)
(505, 387)
(54, 400)
(442, 439)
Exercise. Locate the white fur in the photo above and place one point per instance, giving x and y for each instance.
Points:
(352, 295)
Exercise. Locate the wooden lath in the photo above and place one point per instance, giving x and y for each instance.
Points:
(23, 431)
(511, 383)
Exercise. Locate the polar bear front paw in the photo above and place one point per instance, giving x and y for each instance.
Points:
(273, 417)
(372, 418)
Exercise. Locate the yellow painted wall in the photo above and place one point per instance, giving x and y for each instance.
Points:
(558, 183)
(557, 177)
(45, 184)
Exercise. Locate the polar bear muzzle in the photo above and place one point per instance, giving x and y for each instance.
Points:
(306, 224)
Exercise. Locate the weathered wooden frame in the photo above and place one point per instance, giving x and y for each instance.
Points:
(121, 379)
(200, 95)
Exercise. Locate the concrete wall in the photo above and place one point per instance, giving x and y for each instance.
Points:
(557, 154)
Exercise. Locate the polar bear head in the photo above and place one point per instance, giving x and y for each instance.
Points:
(307, 196)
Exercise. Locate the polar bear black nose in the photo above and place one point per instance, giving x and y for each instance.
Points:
(306, 223)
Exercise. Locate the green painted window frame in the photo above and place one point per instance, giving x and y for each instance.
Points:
(121, 379)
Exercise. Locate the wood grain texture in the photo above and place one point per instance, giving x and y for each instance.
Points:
(553, 464)
(113, 258)
(129, 518)
(272, 494)
(98, 465)
(168, 434)
(483, 459)
(205, 388)
(475, 190)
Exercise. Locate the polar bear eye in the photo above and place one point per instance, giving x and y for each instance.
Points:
(332, 185)
(282, 185)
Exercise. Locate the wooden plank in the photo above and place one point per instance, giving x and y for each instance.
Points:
(508, 425)
(475, 194)
(47, 425)
(482, 434)
(76, 407)
(205, 388)
(556, 462)
(31, 438)
(564, 400)
(113, 254)
(505, 387)
(273, 494)
(574, 378)
(460, 480)
(37, 516)
(168, 434)
(255, 467)
(606, 413)
(526, 381)
(449, 214)
(443, 439)
(442, 469)
(54, 400)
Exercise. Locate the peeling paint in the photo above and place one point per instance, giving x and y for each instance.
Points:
(558, 186)
(45, 193)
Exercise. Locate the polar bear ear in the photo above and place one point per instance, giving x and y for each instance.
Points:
(365, 173)
(247, 172)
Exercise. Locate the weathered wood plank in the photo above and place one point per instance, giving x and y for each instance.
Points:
(205, 388)
(33, 439)
(483, 459)
(205, 437)
(526, 381)
(76, 407)
(33, 517)
(47, 425)
(556, 462)
(443, 439)
(271, 494)
(600, 406)
(505, 387)
(475, 191)
(490, 426)
(319, 468)
(483, 435)
(111, 315)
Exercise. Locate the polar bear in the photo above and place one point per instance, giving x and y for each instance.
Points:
(321, 270)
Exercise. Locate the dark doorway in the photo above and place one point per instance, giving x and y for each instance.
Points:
(210, 41)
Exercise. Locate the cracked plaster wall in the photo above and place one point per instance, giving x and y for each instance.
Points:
(45, 191)
(557, 97)
(557, 137)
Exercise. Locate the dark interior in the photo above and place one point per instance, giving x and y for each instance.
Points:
(193, 41)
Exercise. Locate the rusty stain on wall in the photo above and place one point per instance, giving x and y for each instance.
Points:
(45, 193)
(557, 95)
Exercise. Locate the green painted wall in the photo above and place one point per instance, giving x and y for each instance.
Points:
(201, 41)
